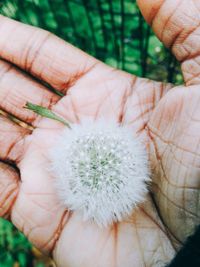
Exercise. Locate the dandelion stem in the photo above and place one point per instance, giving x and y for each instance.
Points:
(45, 112)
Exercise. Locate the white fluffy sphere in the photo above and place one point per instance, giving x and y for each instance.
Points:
(101, 170)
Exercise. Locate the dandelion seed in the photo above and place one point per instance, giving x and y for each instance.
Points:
(101, 171)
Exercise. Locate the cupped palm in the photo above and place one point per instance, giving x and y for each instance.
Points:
(165, 117)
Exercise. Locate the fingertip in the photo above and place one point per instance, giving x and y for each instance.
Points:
(149, 8)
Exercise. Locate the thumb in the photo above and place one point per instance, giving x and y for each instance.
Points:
(177, 25)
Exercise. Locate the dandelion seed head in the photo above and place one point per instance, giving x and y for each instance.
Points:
(101, 171)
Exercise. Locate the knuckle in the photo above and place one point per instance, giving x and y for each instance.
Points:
(4, 68)
(33, 47)
(10, 137)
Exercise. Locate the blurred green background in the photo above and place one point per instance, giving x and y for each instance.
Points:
(111, 30)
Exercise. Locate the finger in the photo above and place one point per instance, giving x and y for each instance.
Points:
(11, 140)
(9, 180)
(177, 25)
(17, 88)
(42, 54)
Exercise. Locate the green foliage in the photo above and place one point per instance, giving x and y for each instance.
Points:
(111, 30)
(14, 247)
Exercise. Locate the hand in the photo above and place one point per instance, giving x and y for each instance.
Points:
(166, 117)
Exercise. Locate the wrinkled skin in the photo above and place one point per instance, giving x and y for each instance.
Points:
(167, 117)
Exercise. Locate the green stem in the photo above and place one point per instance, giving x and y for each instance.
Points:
(45, 112)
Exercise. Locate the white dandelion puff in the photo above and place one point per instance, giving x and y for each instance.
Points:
(101, 171)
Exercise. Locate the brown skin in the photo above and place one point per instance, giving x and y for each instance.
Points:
(167, 118)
